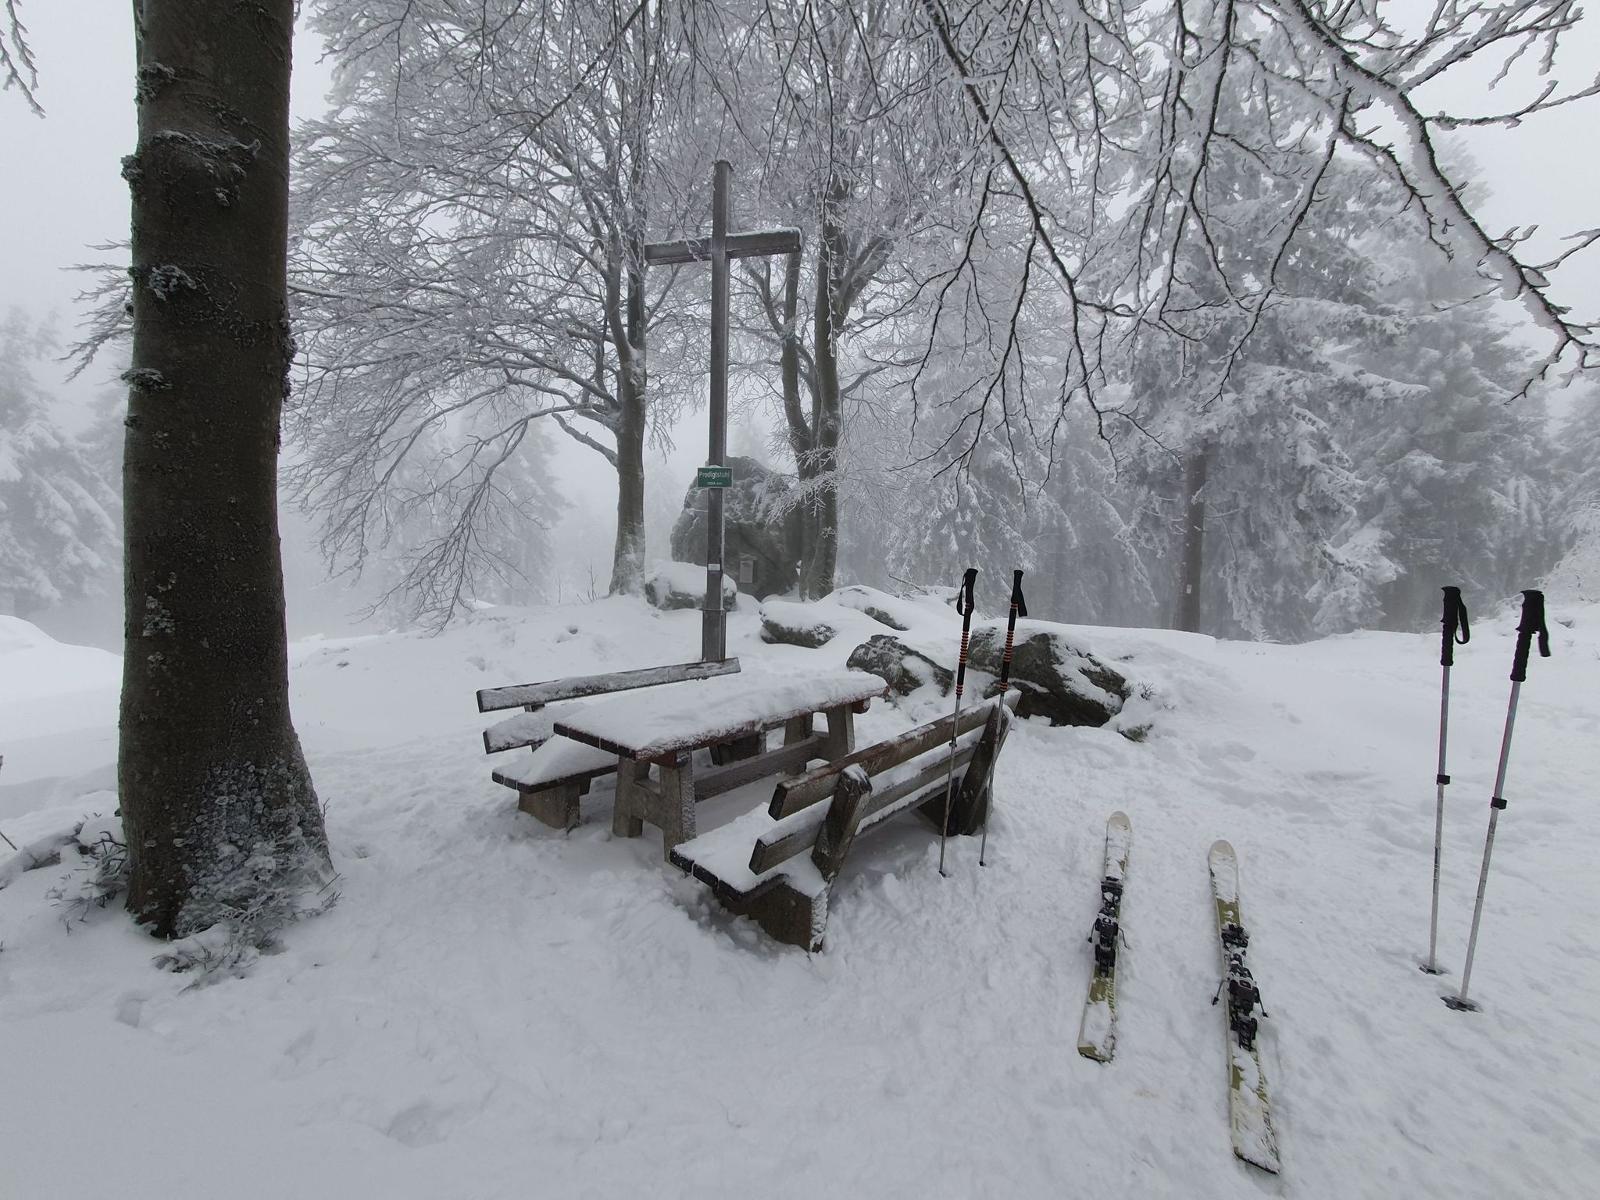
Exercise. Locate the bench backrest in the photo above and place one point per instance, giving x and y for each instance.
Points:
(536, 695)
(802, 791)
(846, 783)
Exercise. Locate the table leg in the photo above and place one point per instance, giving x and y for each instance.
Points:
(841, 733)
(626, 816)
(677, 802)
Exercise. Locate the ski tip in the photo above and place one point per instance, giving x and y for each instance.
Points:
(1265, 1162)
(1119, 818)
(1222, 848)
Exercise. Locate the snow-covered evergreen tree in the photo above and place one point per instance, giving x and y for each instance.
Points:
(1460, 477)
(60, 519)
(1578, 573)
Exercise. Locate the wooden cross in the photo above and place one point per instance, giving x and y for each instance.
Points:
(719, 249)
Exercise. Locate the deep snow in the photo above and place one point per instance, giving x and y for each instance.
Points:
(496, 1009)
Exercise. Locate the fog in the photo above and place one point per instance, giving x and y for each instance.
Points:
(62, 196)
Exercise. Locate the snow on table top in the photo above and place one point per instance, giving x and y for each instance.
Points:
(684, 716)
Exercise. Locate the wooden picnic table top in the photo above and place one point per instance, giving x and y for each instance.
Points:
(680, 717)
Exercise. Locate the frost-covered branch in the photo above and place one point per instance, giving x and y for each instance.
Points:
(17, 66)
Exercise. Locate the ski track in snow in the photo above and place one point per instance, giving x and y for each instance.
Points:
(495, 1009)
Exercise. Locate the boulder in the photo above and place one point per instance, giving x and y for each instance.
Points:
(759, 526)
(791, 624)
(880, 606)
(898, 665)
(1057, 679)
(679, 585)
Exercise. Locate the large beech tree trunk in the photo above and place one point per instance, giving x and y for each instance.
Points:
(627, 559)
(216, 798)
(821, 551)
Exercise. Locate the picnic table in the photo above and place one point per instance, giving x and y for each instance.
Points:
(663, 727)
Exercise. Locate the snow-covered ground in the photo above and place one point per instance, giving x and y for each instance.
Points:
(495, 1009)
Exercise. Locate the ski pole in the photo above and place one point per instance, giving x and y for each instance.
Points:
(1455, 632)
(1532, 623)
(964, 607)
(1019, 608)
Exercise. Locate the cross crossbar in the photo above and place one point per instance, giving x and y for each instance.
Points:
(739, 245)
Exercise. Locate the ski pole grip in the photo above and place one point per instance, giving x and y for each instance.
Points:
(1532, 623)
(969, 580)
(1456, 629)
(1017, 603)
(964, 607)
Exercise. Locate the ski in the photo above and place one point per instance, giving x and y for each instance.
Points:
(1097, 1036)
(1248, 1111)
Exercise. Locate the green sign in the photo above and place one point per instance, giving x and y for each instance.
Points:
(713, 477)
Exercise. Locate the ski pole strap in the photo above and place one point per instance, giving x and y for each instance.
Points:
(1019, 607)
(1532, 623)
(1456, 629)
(964, 607)
(964, 593)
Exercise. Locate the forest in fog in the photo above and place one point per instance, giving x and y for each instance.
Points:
(1141, 299)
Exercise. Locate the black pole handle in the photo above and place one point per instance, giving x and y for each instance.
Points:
(1019, 607)
(964, 607)
(1456, 629)
(1532, 623)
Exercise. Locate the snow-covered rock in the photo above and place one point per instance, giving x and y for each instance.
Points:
(903, 668)
(1058, 678)
(788, 623)
(683, 585)
(759, 522)
(899, 615)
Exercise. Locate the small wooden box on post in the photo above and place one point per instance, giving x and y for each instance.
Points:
(720, 249)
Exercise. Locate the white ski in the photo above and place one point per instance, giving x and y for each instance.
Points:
(1248, 1111)
(1097, 1035)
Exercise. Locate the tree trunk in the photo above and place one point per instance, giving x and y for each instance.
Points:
(217, 802)
(627, 560)
(802, 434)
(1194, 532)
(822, 550)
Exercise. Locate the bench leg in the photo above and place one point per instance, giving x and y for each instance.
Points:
(787, 915)
(627, 816)
(676, 798)
(839, 827)
(556, 807)
(971, 805)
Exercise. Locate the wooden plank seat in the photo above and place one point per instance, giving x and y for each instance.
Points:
(664, 729)
(777, 863)
(550, 786)
(554, 778)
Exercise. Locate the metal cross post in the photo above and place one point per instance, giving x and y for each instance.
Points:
(719, 249)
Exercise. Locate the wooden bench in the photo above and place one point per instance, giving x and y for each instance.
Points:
(664, 729)
(550, 785)
(777, 863)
